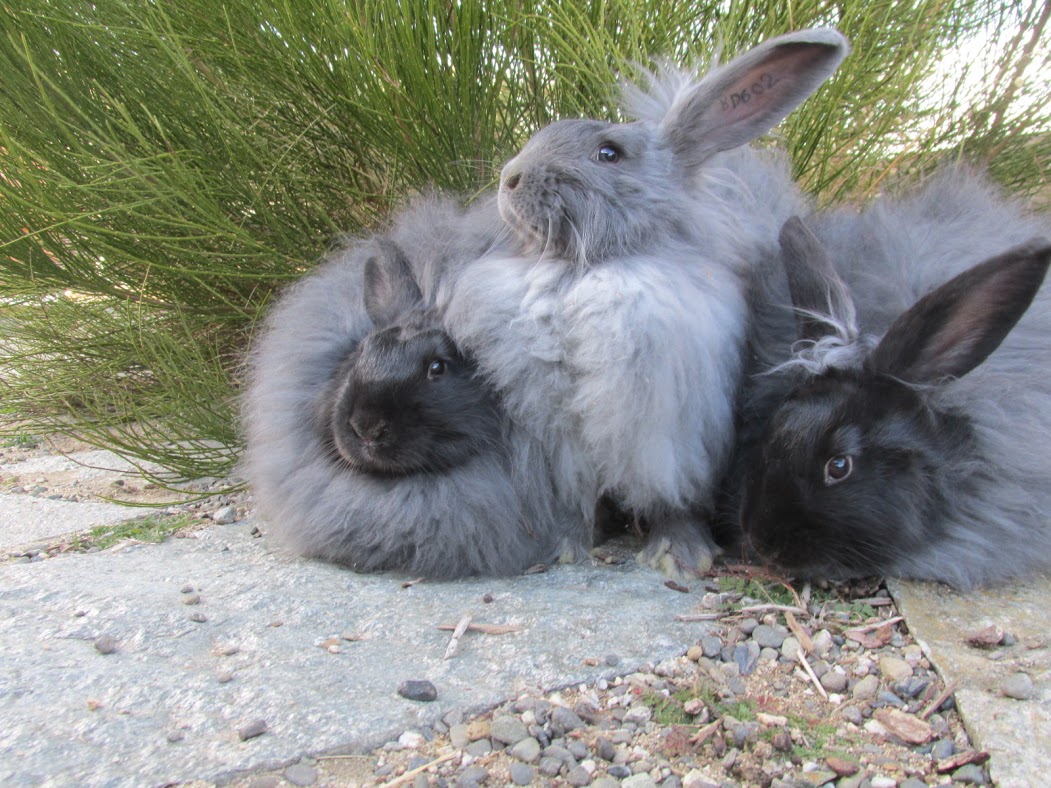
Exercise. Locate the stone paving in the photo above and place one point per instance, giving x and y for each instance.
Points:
(221, 630)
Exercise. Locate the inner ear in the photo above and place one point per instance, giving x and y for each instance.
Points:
(952, 329)
(816, 287)
(390, 287)
(751, 94)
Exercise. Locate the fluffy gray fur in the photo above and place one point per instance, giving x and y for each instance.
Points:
(992, 521)
(493, 514)
(612, 320)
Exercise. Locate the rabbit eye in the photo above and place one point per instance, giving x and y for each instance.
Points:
(608, 154)
(838, 468)
(436, 369)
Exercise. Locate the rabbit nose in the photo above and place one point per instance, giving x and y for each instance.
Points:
(369, 431)
(511, 177)
(512, 182)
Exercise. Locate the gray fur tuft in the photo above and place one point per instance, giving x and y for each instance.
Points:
(979, 510)
(493, 514)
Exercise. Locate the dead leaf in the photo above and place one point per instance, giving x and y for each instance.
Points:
(676, 587)
(906, 727)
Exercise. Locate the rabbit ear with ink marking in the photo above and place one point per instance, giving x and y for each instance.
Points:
(390, 288)
(816, 287)
(952, 329)
(740, 101)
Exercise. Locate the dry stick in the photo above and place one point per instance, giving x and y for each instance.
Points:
(877, 625)
(454, 641)
(413, 772)
(701, 616)
(485, 629)
(810, 672)
(776, 608)
(950, 688)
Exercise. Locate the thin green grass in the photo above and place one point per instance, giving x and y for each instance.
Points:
(165, 168)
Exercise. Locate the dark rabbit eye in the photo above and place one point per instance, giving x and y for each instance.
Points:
(608, 154)
(838, 468)
(436, 369)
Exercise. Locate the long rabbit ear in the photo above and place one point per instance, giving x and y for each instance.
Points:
(815, 286)
(952, 329)
(738, 102)
(390, 288)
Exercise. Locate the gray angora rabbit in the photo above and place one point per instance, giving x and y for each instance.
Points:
(905, 432)
(612, 322)
(370, 441)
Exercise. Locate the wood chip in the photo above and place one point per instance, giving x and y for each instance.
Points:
(706, 732)
(908, 728)
(454, 641)
(773, 608)
(989, 637)
(485, 629)
(954, 762)
(676, 587)
(869, 639)
(411, 583)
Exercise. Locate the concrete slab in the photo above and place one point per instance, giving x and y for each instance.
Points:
(1017, 733)
(87, 464)
(25, 519)
(157, 710)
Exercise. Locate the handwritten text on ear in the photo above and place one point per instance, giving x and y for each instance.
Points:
(759, 87)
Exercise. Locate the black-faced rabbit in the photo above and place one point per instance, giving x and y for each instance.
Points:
(612, 323)
(370, 441)
(906, 431)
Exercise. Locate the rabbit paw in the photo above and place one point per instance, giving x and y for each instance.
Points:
(682, 554)
(572, 551)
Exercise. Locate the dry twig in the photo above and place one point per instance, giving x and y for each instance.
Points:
(810, 672)
(404, 778)
(454, 641)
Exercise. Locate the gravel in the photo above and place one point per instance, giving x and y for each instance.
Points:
(735, 709)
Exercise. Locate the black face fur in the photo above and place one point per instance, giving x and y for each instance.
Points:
(407, 402)
(851, 477)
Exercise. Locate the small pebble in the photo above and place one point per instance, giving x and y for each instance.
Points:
(225, 515)
(187, 589)
(768, 637)
(866, 688)
(943, 748)
(301, 774)
(224, 676)
(521, 774)
(1018, 686)
(895, 668)
(509, 730)
(711, 646)
(642, 780)
(527, 750)
(479, 748)
(473, 775)
(604, 749)
(198, 617)
(419, 690)
(578, 776)
(564, 720)
(834, 681)
(252, 729)
(969, 775)
(789, 649)
(105, 644)
(879, 781)
(191, 599)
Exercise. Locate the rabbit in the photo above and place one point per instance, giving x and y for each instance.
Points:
(372, 443)
(611, 319)
(897, 419)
